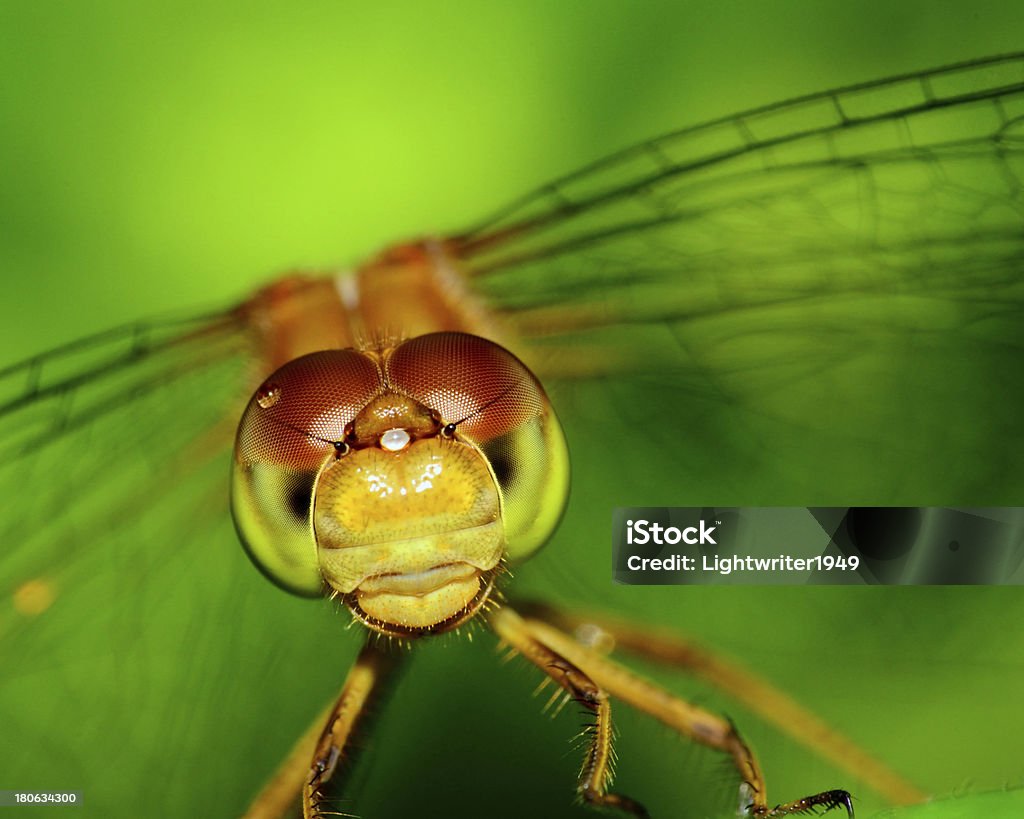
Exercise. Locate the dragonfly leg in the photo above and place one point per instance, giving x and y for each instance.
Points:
(689, 720)
(809, 804)
(279, 798)
(365, 681)
(327, 742)
(596, 773)
(605, 632)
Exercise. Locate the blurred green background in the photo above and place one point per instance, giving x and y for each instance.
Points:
(156, 159)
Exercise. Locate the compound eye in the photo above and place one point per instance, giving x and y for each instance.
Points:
(293, 425)
(471, 383)
(487, 397)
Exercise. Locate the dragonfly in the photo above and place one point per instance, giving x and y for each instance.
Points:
(814, 301)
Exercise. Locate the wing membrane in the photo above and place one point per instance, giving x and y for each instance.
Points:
(845, 268)
(119, 566)
(899, 115)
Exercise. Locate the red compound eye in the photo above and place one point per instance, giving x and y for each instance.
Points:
(304, 406)
(468, 381)
(284, 438)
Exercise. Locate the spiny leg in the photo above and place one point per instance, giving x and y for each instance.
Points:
(279, 798)
(365, 681)
(325, 740)
(596, 773)
(689, 720)
(761, 697)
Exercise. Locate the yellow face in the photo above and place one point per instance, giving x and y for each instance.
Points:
(400, 478)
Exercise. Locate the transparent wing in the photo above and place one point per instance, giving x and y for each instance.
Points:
(838, 278)
(132, 623)
(816, 302)
(112, 448)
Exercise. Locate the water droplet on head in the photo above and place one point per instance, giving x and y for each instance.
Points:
(394, 440)
(268, 395)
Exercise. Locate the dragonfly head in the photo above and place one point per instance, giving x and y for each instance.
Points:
(400, 479)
